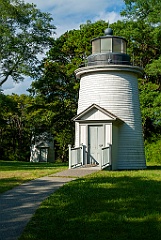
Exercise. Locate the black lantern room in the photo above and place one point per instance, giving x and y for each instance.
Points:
(109, 49)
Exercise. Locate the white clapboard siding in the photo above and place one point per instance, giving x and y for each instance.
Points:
(115, 88)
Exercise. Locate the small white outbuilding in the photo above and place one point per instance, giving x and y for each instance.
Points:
(108, 127)
(42, 148)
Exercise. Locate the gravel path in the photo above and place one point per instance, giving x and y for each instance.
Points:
(19, 204)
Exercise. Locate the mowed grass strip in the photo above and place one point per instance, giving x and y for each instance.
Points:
(15, 173)
(105, 205)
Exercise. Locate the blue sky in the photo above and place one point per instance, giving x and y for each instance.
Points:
(67, 15)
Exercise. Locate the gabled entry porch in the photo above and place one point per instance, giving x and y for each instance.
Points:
(96, 131)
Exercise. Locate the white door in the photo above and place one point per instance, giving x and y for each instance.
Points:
(95, 143)
(43, 154)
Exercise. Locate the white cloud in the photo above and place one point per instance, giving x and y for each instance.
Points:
(75, 6)
(70, 14)
(110, 17)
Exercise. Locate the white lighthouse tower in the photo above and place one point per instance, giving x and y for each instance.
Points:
(108, 122)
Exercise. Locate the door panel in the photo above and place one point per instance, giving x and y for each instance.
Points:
(43, 154)
(95, 143)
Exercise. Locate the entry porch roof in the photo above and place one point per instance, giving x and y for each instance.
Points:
(96, 113)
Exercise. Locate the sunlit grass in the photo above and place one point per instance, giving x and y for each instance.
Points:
(105, 205)
(15, 173)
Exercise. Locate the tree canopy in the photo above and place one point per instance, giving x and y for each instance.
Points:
(146, 10)
(25, 32)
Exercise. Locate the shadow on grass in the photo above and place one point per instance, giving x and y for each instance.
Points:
(156, 167)
(11, 166)
(102, 207)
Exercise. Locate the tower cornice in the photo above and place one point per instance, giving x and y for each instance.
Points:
(108, 68)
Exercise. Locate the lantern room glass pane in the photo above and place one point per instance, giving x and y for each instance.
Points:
(106, 45)
(117, 45)
(96, 46)
(123, 50)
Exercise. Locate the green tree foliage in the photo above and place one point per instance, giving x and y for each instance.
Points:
(146, 10)
(21, 118)
(153, 71)
(25, 32)
(150, 100)
(15, 129)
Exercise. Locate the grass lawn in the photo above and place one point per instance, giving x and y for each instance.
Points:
(120, 205)
(15, 173)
